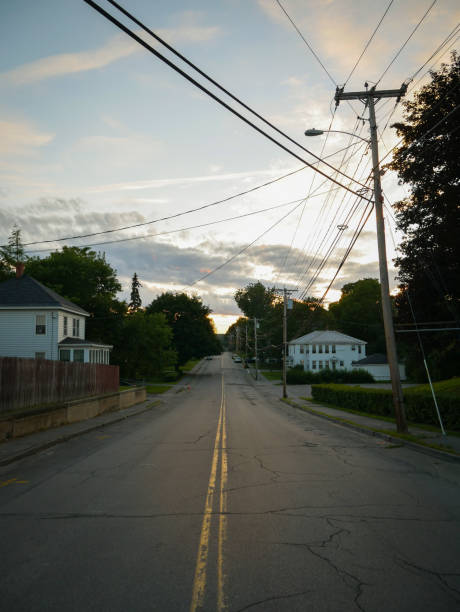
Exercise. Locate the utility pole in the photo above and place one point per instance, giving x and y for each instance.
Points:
(369, 97)
(255, 347)
(286, 292)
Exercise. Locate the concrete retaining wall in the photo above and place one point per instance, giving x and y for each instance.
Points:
(70, 412)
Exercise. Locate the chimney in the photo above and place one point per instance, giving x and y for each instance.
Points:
(19, 270)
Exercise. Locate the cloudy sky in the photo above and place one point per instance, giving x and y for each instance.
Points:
(98, 134)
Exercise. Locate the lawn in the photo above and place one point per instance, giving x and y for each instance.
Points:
(272, 374)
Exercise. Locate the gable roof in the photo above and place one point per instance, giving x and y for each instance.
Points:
(26, 292)
(68, 341)
(326, 337)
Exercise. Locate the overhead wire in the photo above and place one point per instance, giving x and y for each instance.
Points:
(189, 78)
(406, 41)
(368, 43)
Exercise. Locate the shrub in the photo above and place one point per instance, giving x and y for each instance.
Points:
(297, 376)
(418, 401)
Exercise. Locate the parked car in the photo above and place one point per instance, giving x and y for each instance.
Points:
(208, 358)
(237, 359)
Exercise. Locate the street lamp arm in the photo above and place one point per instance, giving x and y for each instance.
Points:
(315, 132)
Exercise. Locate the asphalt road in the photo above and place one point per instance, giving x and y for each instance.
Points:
(225, 498)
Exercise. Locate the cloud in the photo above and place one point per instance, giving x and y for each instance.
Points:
(158, 183)
(118, 47)
(71, 63)
(21, 138)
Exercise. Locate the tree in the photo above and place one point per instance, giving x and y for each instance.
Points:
(144, 349)
(429, 260)
(11, 254)
(135, 302)
(193, 332)
(86, 278)
(255, 300)
(358, 313)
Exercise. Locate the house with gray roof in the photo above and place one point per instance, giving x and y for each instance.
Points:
(377, 365)
(325, 349)
(38, 323)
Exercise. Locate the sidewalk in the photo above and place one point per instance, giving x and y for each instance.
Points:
(18, 448)
(371, 426)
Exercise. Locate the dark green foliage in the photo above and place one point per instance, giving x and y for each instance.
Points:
(144, 347)
(418, 401)
(298, 376)
(135, 299)
(358, 313)
(428, 162)
(193, 330)
(87, 279)
(11, 254)
(255, 300)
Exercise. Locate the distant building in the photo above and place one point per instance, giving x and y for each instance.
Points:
(36, 322)
(321, 350)
(377, 365)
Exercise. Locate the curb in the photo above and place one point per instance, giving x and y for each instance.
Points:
(65, 437)
(427, 450)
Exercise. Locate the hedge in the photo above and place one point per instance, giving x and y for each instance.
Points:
(298, 376)
(418, 401)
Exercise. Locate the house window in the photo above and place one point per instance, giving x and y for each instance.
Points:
(64, 355)
(313, 350)
(333, 348)
(320, 348)
(301, 348)
(307, 348)
(353, 347)
(76, 328)
(40, 355)
(326, 365)
(326, 348)
(66, 326)
(341, 364)
(359, 348)
(320, 365)
(313, 365)
(40, 325)
(78, 355)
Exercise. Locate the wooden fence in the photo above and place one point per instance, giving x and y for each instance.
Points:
(34, 382)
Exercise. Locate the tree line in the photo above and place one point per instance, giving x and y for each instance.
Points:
(149, 341)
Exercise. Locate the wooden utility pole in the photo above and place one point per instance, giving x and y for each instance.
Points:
(255, 347)
(286, 293)
(369, 98)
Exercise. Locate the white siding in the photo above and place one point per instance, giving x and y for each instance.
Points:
(18, 337)
(343, 353)
(70, 316)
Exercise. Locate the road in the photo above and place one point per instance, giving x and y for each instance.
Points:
(226, 498)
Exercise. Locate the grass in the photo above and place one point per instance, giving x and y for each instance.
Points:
(272, 374)
(389, 432)
(158, 388)
(191, 363)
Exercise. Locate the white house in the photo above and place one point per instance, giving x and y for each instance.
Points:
(377, 365)
(36, 322)
(320, 350)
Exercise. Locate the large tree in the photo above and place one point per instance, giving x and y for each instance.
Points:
(358, 313)
(86, 278)
(255, 300)
(193, 331)
(428, 162)
(11, 254)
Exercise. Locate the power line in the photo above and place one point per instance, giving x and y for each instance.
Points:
(139, 40)
(246, 247)
(186, 212)
(315, 55)
(406, 41)
(368, 43)
(184, 229)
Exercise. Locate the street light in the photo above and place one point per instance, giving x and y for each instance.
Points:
(390, 341)
(315, 132)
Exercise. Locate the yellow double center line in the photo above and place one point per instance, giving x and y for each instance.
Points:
(219, 455)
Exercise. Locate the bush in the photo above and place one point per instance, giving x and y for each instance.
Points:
(298, 376)
(418, 401)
